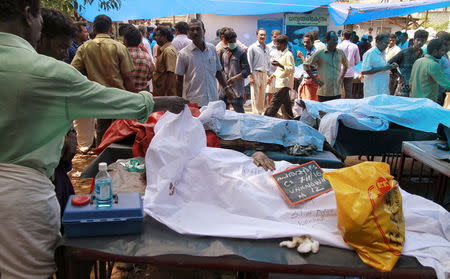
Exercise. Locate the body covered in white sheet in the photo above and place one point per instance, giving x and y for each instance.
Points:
(198, 190)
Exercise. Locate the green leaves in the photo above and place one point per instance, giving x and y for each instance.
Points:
(72, 6)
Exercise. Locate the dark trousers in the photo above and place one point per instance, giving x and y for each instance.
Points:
(328, 98)
(236, 103)
(280, 99)
(393, 82)
(348, 88)
(100, 128)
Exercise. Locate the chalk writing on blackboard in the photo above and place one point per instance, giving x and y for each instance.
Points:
(302, 183)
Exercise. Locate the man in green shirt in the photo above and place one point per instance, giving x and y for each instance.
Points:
(40, 96)
(427, 74)
(332, 65)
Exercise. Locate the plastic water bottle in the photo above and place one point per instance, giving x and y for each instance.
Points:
(103, 186)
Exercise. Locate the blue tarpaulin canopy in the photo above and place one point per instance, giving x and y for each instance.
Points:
(145, 9)
(354, 13)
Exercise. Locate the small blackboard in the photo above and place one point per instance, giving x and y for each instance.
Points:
(301, 183)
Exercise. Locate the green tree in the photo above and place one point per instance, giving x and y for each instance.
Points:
(73, 6)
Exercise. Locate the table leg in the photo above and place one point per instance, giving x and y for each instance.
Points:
(402, 165)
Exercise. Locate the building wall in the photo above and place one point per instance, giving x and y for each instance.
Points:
(244, 25)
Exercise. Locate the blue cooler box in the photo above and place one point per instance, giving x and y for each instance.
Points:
(124, 217)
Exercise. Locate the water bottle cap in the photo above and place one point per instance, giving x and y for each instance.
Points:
(102, 166)
(80, 200)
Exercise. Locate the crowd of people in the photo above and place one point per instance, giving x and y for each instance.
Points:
(48, 105)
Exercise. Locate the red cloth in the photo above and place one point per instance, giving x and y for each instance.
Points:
(308, 90)
(123, 128)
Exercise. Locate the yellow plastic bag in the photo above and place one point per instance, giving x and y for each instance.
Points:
(369, 210)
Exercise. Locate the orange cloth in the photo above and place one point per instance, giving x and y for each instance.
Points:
(308, 90)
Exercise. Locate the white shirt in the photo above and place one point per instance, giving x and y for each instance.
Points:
(391, 52)
(146, 44)
(378, 83)
(259, 57)
(319, 45)
(274, 54)
(199, 70)
(181, 41)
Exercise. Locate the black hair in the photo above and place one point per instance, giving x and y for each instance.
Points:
(445, 36)
(259, 29)
(165, 31)
(182, 27)
(123, 28)
(315, 34)
(346, 34)
(309, 35)
(223, 30)
(369, 38)
(275, 31)
(229, 35)
(392, 36)
(194, 20)
(102, 24)
(421, 34)
(328, 35)
(381, 37)
(56, 24)
(433, 45)
(132, 36)
(282, 39)
(218, 32)
(12, 9)
(79, 25)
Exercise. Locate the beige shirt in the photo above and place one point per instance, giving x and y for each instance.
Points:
(329, 66)
(165, 63)
(391, 52)
(284, 77)
(104, 60)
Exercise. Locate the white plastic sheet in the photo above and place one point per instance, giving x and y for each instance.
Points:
(375, 113)
(198, 190)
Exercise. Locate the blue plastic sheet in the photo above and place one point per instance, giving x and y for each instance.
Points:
(144, 9)
(360, 12)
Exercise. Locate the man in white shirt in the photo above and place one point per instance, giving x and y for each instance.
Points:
(181, 39)
(283, 75)
(317, 42)
(375, 69)
(390, 52)
(351, 51)
(273, 53)
(198, 67)
(259, 61)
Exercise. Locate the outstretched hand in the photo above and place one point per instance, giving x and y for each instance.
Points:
(171, 103)
(261, 160)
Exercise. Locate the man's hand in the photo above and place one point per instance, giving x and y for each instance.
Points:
(170, 103)
(251, 79)
(231, 80)
(300, 55)
(318, 81)
(269, 80)
(261, 160)
(393, 66)
(276, 63)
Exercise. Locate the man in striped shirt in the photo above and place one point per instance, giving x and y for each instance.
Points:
(143, 63)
